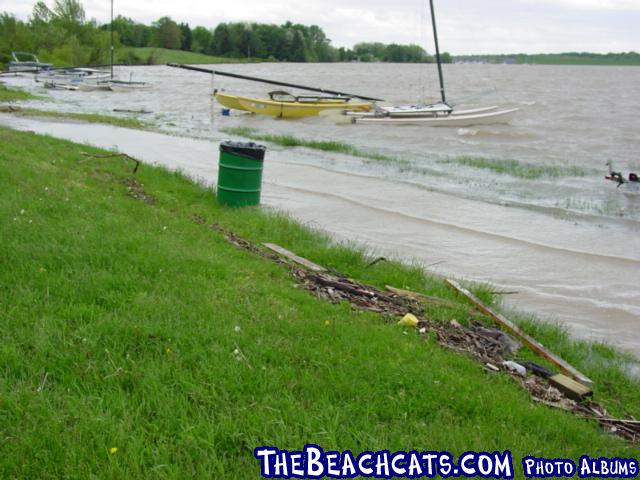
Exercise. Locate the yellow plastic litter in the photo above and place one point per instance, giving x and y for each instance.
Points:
(409, 320)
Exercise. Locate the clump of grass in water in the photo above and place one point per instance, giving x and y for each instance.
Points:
(516, 168)
(84, 117)
(324, 145)
(12, 94)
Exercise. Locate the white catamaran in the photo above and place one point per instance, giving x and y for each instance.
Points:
(436, 114)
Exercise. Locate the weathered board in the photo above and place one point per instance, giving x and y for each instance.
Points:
(529, 341)
(570, 387)
(292, 256)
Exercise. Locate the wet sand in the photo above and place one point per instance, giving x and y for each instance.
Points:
(582, 273)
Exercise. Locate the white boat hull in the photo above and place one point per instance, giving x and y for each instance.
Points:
(127, 86)
(454, 113)
(453, 120)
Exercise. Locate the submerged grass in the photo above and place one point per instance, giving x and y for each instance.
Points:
(516, 168)
(507, 167)
(14, 94)
(138, 343)
(83, 117)
(324, 145)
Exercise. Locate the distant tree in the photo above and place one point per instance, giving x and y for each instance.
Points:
(186, 37)
(69, 13)
(446, 58)
(200, 40)
(168, 34)
(248, 41)
(273, 40)
(14, 36)
(41, 13)
(221, 42)
(370, 51)
(297, 47)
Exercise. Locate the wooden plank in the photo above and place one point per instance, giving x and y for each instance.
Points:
(528, 340)
(292, 256)
(570, 387)
(419, 297)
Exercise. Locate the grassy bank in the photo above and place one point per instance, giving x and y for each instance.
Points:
(139, 343)
(159, 56)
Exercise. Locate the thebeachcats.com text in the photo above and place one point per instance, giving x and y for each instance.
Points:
(314, 462)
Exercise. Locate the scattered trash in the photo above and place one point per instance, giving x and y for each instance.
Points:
(515, 368)
(492, 367)
(237, 329)
(409, 320)
(536, 369)
(510, 345)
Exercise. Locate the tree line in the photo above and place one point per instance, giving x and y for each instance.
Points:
(62, 34)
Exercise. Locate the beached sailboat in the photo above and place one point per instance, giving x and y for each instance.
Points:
(436, 114)
(78, 78)
(285, 105)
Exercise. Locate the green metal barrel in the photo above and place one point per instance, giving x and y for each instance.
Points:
(240, 173)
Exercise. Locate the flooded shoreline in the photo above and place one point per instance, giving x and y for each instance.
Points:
(582, 273)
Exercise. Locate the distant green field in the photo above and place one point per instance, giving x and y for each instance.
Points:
(630, 58)
(151, 55)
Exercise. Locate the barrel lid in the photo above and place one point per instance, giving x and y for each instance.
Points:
(246, 149)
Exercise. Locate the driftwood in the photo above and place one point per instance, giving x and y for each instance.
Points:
(112, 155)
(514, 329)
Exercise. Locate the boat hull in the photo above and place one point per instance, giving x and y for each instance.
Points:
(455, 113)
(287, 109)
(229, 101)
(467, 120)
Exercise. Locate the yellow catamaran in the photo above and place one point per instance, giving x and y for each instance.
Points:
(285, 105)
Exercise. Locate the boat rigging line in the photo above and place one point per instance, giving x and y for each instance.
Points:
(435, 37)
(272, 82)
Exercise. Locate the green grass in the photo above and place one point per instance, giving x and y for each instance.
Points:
(156, 56)
(124, 122)
(13, 94)
(119, 330)
(516, 168)
(323, 145)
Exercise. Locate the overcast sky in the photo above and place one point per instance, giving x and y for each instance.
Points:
(464, 26)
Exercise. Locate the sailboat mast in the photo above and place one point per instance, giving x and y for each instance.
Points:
(435, 36)
(111, 30)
